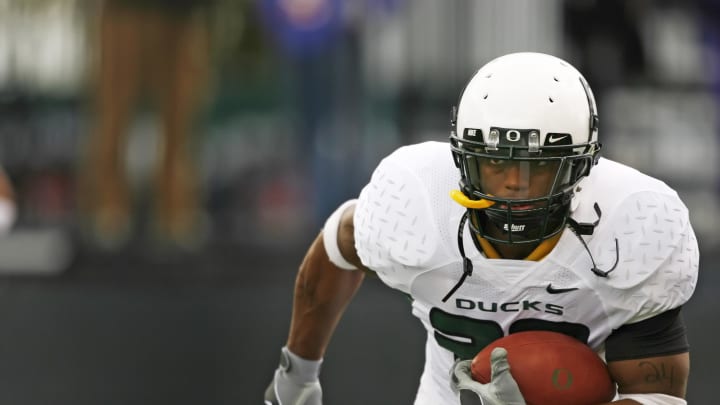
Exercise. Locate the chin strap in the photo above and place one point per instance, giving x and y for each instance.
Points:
(467, 263)
(580, 229)
(460, 198)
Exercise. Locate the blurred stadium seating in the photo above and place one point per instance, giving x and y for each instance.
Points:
(147, 325)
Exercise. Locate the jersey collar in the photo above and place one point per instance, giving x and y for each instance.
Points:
(537, 254)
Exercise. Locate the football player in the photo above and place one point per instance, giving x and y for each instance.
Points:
(542, 234)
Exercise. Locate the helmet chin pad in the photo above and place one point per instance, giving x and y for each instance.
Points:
(521, 227)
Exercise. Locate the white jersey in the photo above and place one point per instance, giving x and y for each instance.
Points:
(406, 228)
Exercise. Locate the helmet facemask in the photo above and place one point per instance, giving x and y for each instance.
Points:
(528, 187)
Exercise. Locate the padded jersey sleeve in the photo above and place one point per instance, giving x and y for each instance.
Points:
(396, 221)
(657, 256)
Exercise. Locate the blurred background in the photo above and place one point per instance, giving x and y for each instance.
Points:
(173, 159)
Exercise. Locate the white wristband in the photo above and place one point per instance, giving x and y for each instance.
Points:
(8, 213)
(330, 233)
(654, 399)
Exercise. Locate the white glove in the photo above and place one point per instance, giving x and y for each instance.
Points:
(501, 390)
(295, 381)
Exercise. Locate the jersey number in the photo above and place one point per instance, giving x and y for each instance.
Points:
(467, 336)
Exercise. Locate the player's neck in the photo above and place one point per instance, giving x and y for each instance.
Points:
(505, 251)
(531, 251)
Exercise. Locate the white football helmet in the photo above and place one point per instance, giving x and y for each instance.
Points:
(533, 114)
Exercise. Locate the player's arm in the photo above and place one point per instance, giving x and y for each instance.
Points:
(654, 380)
(322, 291)
(649, 360)
(324, 286)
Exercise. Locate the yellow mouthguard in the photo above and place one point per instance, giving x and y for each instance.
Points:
(463, 200)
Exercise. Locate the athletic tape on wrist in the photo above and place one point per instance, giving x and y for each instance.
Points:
(654, 399)
(301, 370)
(330, 233)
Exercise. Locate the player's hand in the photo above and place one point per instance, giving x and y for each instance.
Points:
(294, 383)
(501, 390)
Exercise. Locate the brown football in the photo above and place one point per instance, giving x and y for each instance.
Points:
(550, 369)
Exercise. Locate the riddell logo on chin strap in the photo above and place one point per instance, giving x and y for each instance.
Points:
(514, 228)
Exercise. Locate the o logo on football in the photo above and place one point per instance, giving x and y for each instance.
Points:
(562, 378)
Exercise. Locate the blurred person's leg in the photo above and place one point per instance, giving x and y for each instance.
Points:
(180, 73)
(118, 84)
(8, 208)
